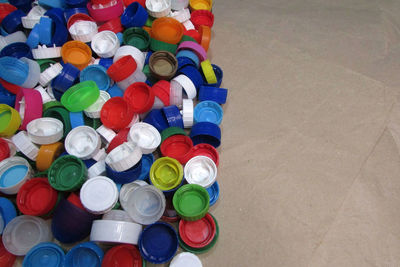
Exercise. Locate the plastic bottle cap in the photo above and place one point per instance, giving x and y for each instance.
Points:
(116, 114)
(98, 74)
(93, 111)
(105, 44)
(45, 130)
(218, 95)
(191, 202)
(173, 116)
(166, 173)
(7, 213)
(161, 90)
(77, 53)
(97, 169)
(137, 37)
(145, 136)
(197, 234)
(106, 134)
(44, 253)
(127, 189)
(83, 142)
(67, 173)
(187, 84)
(10, 120)
(124, 157)
(6, 258)
(18, 50)
(115, 232)
(47, 154)
(137, 76)
(113, 25)
(83, 30)
(177, 147)
(194, 34)
(167, 30)
(187, 113)
(180, 15)
(208, 111)
(117, 215)
(80, 96)
(201, 170)
(176, 94)
(49, 74)
(206, 132)
(140, 96)
(188, 25)
(33, 17)
(15, 238)
(151, 238)
(106, 12)
(195, 47)
(83, 254)
(4, 149)
(208, 71)
(179, 4)
(213, 192)
(200, 4)
(134, 16)
(122, 255)
(206, 150)
(184, 259)
(134, 52)
(99, 194)
(171, 131)
(202, 17)
(145, 204)
(36, 197)
(163, 65)
(122, 68)
(25, 145)
(158, 8)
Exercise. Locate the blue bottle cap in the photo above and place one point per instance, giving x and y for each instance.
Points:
(34, 37)
(6, 97)
(44, 254)
(84, 254)
(45, 30)
(66, 78)
(147, 161)
(194, 74)
(173, 116)
(148, 55)
(7, 212)
(98, 74)
(134, 16)
(213, 192)
(216, 94)
(76, 3)
(3, 32)
(13, 70)
(184, 61)
(75, 10)
(219, 73)
(189, 55)
(89, 162)
(60, 34)
(209, 111)
(158, 243)
(156, 118)
(52, 3)
(17, 50)
(127, 176)
(24, 5)
(12, 22)
(76, 119)
(106, 62)
(56, 14)
(120, 37)
(206, 132)
(115, 91)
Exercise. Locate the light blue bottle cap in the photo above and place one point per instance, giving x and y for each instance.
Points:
(213, 192)
(208, 111)
(98, 74)
(44, 254)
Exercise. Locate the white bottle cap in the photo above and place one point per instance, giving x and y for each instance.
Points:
(158, 8)
(50, 73)
(99, 194)
(101, 155)
(82, 142)
(44, 131)
(83, 30)
(33, 17)
(117, 215)
(24, 232)
(33, 75)
(15, 37)
(201, 170)
(175, 95)
(134, 120)
(186, 259)
(157, 103)
(105, 44)
(110, 231)
(180, 15)
(93, 111)
(187, 113)
(127, 189)
(25, 145)
(137, 55)
(188, 25)
(106, 134)
(45, 96)
(187, 85)
(124, 157)
(14, 172)
(43, 52)
(136, 76)
(97, 169)
(179, 4)
(145, 204)
(146, 136)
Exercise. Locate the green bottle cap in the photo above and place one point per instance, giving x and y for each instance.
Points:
(191, 202)
(187, 38)
(67, 173)
(80, 96)
(61, 114)
(51, 104)
(45, 63)
(157, 45)
(149, 21)
(170, 131)
(137, 37)
(166, 173)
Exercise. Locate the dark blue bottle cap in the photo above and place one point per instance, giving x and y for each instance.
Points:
(72, 11)
(158, 243)
(52, 3)
(106, 62)
(77, 119)
(98, 74)
(213, 192)
(57, 15)
(34, 37)
(89, 162)
(127, 176)
(12, 22)
(13, 70)
(194, 74)
(17, 50)
(6, 97)
(184, 61)
(219, 73)
(3, 32)
(66, 78)
(173, 116)
(189, 55)
(216, 94)
(148, 55)
(84, 254)
(76, 3)
(206, 132)
(134, 16)
(60, 35)
(24, 5)
(156, 118)
(7, 211)
(209, 111)
(71, 224)
(115, 91)
(45, 30)
(147, 161)
(44, 254)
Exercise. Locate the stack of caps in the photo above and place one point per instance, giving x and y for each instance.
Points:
(110, 114)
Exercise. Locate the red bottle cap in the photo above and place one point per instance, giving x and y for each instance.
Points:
(12, 88)
(140, 97)
(207, 150)
(74, 199)
(161, 90)
(177, 147)
(78, 17)
(100, 2)
(198, 234)
(116, 114)
(141, 2)
(6, 9)
(6, 258)
(36, 197)
(194, 34)
(113, 25)
(122, 255)
(4, 149)
(120, 138)
(122, 68)
(202, 17)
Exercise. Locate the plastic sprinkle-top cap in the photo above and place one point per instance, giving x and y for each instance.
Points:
(146, 136)
(122, 255)
(185, 259)
(67, 173)
(177, 147)
(84, 254)
(158, 243)
(197, 234)
(77, 53)
(167, 30)
(166, 173)
(140, 96)
(191, 202)
(116, 114)
(80, 96)
(99, 194)
(48, 254)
